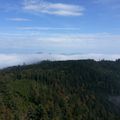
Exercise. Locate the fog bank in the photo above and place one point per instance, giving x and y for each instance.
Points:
(7, 60)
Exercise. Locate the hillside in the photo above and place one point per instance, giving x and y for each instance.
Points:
(61, 90)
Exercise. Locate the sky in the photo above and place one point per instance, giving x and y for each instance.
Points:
(60, 27)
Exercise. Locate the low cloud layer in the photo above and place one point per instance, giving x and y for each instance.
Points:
(7, 60)
(55, 43)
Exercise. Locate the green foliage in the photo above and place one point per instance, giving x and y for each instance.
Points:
(61, 90)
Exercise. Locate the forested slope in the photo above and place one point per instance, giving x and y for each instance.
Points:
(61, 90)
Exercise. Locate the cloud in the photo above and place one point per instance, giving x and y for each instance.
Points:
(46, 28)
(19, 19)
(7, 60)
(30, 42)
(36, 38)
(53, 8)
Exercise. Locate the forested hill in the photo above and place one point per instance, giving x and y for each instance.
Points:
(61, 90)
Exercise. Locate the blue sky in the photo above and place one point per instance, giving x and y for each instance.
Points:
(60, 26)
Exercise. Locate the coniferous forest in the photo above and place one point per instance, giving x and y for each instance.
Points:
(61, 90)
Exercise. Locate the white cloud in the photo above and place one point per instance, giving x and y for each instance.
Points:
(27, 28)
(32, 39)
(19, 19)
(46, 28)
(53, 8)
(31, 42)
(7, 60)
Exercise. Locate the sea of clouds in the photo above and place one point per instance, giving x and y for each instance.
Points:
(7, 60)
